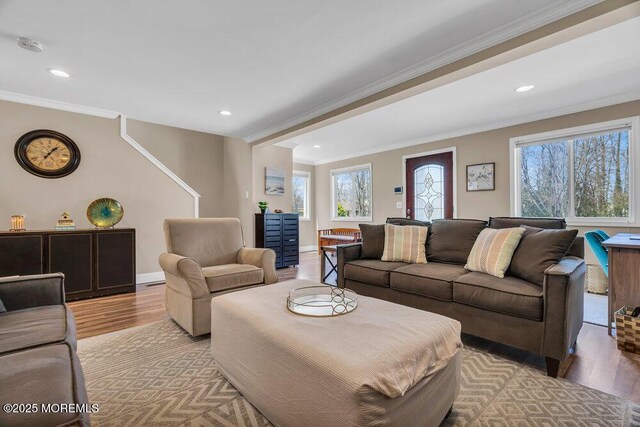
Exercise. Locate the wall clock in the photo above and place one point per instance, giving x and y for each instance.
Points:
(47, 153)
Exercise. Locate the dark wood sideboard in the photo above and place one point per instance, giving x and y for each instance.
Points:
(280, 232)
(95, 262)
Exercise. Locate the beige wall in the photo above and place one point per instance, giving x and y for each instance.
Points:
(196, 157)
(110, 167)
(238, 185)
(491, 146)
(308, 228)
(273, 157)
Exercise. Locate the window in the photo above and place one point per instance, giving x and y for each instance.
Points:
(351, 189)
(583, 174)
(301, 194)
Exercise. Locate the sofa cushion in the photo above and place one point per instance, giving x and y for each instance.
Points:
(45, 374)
(517, 221)
(493, 250)
(508, 295)
(451, 240)
(405, 243)
(538, 250)
(230, 276)
(36, 326)
(407, 221)
(371, 271)
(372, 241)
(433, 280)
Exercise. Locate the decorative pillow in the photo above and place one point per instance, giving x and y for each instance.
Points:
(493, 249)
(372, 241)
(2, 307)
(538, 250)
(451, 240)
(405, 243)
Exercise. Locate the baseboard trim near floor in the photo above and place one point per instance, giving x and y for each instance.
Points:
(147, 278)
(308, 248)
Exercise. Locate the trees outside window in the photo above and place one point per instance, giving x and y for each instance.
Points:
(352, 193)
(301, 194)
(580, 177)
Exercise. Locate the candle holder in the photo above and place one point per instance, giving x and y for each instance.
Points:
(17, 223)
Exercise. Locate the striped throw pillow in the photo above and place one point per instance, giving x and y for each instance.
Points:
(493, 250)
(405, 243)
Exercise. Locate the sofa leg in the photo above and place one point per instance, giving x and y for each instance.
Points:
(553, 366)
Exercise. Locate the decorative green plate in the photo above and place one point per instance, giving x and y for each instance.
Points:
(105, 212)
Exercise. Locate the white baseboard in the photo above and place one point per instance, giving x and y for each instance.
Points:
(308, 248)
(144, 278)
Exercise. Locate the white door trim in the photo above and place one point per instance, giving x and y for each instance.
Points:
(428, 153)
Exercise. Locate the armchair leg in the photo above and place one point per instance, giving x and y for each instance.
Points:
(553, 366)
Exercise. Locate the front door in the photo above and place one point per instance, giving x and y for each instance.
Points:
(430, 186)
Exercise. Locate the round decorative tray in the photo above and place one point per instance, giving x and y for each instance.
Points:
(105, 212)
(322, 301)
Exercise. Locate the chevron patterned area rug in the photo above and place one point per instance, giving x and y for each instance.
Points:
(157, 375)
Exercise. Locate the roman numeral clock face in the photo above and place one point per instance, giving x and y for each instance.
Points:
(47, 154)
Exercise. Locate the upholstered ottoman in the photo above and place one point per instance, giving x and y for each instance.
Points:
(382, 364)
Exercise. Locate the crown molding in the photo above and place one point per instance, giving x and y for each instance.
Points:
(499, 35)
(591, 105)
(57, 105)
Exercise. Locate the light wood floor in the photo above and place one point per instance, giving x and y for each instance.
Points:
(597, 363)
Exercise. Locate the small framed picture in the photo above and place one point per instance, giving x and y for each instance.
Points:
(481, 177)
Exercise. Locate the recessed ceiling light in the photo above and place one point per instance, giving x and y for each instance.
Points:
(58, 73)
(316, 146)
(225, 113)
(525, 88)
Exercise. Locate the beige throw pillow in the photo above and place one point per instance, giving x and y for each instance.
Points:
(405, 243)
(493, 250)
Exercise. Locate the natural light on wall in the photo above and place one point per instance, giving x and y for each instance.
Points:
(583, 174)
(351, 190)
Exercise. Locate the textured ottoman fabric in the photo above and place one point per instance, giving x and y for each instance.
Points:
(382, 364)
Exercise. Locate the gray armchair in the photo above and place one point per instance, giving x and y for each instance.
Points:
(206, 257)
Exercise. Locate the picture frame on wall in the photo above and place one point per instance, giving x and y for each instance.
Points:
(481, 177)
(274, 181)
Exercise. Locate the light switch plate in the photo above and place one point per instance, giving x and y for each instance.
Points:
(399, 205)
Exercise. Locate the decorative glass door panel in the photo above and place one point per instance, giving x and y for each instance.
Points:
(430, 187)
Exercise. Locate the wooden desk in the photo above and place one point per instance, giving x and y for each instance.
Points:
(624, 273)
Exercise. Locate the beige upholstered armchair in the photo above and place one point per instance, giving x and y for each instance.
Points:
(206, 257)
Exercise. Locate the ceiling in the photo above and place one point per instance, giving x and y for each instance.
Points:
(595, 70)
(271, 63)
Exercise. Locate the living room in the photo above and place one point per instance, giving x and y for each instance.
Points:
(455, 182)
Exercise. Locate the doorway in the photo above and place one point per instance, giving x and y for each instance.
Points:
(429, 180)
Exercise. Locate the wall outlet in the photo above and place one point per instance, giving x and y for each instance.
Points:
(398, 205)
(246, 194)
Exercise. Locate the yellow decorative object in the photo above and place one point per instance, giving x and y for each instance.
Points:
(105, 212)
(17, 223)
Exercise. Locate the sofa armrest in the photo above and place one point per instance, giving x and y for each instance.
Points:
(184, 275)
(347, 253)
(563, 291)
(22, 292)
(262, 258)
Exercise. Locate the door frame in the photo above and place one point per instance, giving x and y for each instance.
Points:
(451, 150)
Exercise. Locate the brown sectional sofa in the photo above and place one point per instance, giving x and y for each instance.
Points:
(543, 318)
(38, 357)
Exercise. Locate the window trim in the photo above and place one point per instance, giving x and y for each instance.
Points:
(307, 201)
(333, 215)
(634, 165)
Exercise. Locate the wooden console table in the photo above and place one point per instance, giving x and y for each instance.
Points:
(95, 262)
(624, 273)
